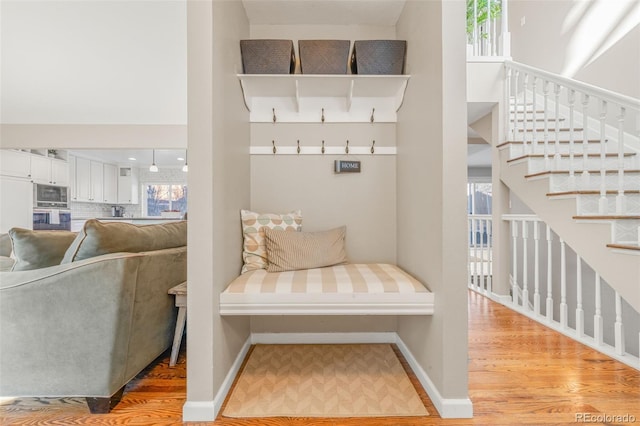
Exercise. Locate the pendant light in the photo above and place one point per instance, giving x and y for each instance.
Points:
(153, 167)
(185, 168)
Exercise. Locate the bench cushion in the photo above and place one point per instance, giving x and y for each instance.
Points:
(351, 289)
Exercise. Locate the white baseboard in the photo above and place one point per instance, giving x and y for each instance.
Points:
(208, 410)
(198, 411)
(322, 338)
(448, 408)
(501, 298)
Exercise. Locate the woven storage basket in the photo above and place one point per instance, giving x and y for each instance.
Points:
(324, 56)
(268, 56)
(378, 57)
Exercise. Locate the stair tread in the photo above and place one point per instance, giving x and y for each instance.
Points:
(625, 246)
(551, 143)
(561, 129)
(591, 192)
(607, 217)
(566, 172)
(592, 155)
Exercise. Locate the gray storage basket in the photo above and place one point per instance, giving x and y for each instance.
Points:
(262, 56)
(324, 56)
(378, 57)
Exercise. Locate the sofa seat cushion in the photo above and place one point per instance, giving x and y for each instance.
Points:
(38, 249)
(97, 238)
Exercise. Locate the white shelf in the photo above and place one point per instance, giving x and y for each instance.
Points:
(303, 98)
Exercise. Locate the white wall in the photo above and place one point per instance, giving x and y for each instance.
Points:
(431, 193)
(95, 62)
(596, 41)
(219, 188)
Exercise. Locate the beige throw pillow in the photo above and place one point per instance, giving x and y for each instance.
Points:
(38, 249)
(254, 253)
(97, 238)
(292, 251)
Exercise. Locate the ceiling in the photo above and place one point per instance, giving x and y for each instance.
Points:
(167, 158)
(323, 12)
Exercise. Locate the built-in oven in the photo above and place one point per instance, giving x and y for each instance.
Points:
(50, 196)
(52, 219)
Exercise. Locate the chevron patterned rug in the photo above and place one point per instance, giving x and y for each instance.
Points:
(364, 380)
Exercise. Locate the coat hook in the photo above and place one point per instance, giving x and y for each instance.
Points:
(273, 143)
(346, 150)
(322, 150)
(372, 118)
(273, 111)
(322, 118)
(298, 146)
(373, 149)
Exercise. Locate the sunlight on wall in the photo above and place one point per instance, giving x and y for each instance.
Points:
(599, 24)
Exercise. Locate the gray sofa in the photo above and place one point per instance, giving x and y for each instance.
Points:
(87, 326)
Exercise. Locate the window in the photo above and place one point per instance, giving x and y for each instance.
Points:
(165, 197)
(479, 198)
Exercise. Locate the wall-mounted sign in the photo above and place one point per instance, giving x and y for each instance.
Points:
(345, 166)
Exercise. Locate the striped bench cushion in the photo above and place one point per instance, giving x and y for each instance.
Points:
(349, 289)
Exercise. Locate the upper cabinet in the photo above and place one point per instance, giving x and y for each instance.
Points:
(127, 185)
(49, 170)
(15, 163)
(300, 98)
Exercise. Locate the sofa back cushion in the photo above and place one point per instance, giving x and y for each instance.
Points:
(97, 238)
(38, 249)
(5, 245)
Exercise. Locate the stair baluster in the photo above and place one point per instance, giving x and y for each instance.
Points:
(598, 324)
(572, 166)
(536, 263)
(525, 266)
(556, 157)
(545, 91)
(525, 145)
(549, 306)
(579, 310)
(534, 130)
(602, 204)
(514, 258)
(620, 199)
(585, 141)
(564, 308)
(618, 327)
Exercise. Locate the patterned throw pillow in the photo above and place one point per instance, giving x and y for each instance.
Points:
(254, 251)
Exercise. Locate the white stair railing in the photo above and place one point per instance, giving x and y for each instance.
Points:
(582, 292)
(480, 258)
(595, 118)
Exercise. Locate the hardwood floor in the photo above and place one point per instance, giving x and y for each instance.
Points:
(519, 373)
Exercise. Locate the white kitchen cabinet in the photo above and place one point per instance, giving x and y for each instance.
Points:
(71, 161)
(15, 163)
(128, 188)
(97, 182)
(16, 203)
(83, 180)
(49, 170)
(110, 177)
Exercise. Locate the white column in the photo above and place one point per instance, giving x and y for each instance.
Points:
(525, 146)
(545, 91)
(585, 141)
(572, 164)
(534, 132)
(514, 258)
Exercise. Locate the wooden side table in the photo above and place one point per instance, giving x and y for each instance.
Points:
(180, 292)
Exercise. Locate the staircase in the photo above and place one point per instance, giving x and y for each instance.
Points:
(572, 156)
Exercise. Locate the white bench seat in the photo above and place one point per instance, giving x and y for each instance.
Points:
(350, 289)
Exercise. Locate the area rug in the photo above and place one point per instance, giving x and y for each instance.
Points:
(323, 381)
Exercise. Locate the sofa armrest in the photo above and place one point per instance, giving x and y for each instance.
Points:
(65, 328)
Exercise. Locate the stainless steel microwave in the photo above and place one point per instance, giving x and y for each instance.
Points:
(50, 196)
